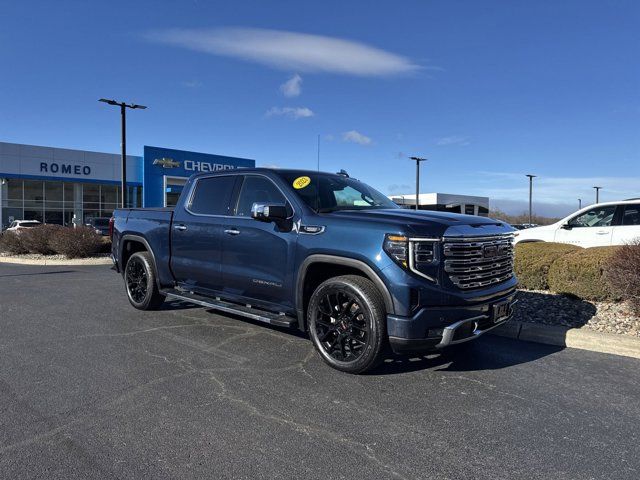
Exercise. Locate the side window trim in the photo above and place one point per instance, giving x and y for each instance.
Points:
(234, 212)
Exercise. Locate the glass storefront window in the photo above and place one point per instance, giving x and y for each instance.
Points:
(90, 193)
(33, 191)
(55, 202)
(53, 191)
(109, 194)
(14, 189)
(68, 193)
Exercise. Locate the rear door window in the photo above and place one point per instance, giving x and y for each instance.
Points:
(212, 195)
(631, 215)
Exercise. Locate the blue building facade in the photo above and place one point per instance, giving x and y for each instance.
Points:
(166, 170)
(64, 186)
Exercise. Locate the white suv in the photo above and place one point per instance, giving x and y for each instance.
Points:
(611, 223)
(18, 225)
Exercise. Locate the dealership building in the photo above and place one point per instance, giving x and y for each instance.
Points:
(445, 202)
(54, 185)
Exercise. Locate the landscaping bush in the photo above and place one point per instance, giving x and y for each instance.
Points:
(76, 242)
(581, 274)
(623, 273)
(105, 245)
(11, 243)
(37, 239)
(533, 261)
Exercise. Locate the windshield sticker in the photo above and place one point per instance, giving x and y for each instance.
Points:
(301, 182)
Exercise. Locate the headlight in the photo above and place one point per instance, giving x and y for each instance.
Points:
(397, 247)
(410, 254)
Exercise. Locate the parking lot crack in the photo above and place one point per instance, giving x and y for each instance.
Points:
(308, 430)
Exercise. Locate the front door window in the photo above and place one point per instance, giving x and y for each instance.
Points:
(596, 217)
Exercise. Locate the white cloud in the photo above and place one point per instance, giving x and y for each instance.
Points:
(453, 140)
(292, 87)
(192, 83)
(300, 52)
(270, 165)
(356, 137)
(291, 112)
(400, 188)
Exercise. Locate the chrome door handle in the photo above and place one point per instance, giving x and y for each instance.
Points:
(180, 227)
(601, 233)
(232, 231)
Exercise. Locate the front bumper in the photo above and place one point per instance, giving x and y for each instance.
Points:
(435, 328)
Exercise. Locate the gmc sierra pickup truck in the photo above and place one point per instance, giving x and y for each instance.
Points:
(323, 253)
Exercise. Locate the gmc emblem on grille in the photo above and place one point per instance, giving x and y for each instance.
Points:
(489, 251)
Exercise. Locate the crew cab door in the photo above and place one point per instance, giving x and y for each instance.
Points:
(257, 256)
(628, 228)
(592, 228)
(196, 233)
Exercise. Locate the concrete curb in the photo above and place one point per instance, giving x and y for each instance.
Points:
(583, 339)
(62, 262)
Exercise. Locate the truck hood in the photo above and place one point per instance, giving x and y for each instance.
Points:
(428, 223)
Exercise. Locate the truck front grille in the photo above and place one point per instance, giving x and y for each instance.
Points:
(477, 262)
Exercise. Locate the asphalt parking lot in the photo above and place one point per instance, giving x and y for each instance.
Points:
(91, 388)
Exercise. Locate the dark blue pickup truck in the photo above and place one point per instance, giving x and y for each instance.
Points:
(323, 253)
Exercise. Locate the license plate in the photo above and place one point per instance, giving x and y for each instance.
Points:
(501, 311)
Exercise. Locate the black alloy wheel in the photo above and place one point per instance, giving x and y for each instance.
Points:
(346, 320)
(341, 325)
(140, 282)
(136, 278)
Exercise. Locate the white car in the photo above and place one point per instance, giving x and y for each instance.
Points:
(611, 223)
(18, 225)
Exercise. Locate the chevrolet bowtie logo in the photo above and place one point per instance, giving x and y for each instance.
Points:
(166, 163)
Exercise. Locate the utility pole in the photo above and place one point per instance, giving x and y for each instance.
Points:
(123, 115)
(531, 177)
(597, 194)
(418, 160)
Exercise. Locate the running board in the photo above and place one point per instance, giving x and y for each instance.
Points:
(277, 319)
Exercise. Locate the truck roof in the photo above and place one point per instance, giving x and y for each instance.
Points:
(269, 170)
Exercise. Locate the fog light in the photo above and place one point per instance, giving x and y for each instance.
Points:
(435, 332)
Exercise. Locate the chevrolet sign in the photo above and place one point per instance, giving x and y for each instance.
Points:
(166, 163)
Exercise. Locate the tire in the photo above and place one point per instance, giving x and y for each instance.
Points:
(346, 320)
(140, 282)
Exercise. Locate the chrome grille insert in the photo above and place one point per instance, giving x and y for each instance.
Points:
(477, 262)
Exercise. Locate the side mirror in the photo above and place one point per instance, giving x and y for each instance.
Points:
(566, 226)
(264, 212)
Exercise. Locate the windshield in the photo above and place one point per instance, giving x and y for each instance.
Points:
(328, 193)
(101, 222)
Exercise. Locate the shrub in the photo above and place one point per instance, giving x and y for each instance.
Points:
(76, 242)
(534, 259)
(581, 274)
(622, 272)
(10, 242)
(105, 245)
(37, 239)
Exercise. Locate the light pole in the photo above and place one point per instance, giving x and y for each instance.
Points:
(123, 115)
(418, 160)
(579, 204)
(597, 194)
(531, 177)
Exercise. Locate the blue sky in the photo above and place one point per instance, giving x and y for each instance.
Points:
(488, 91)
